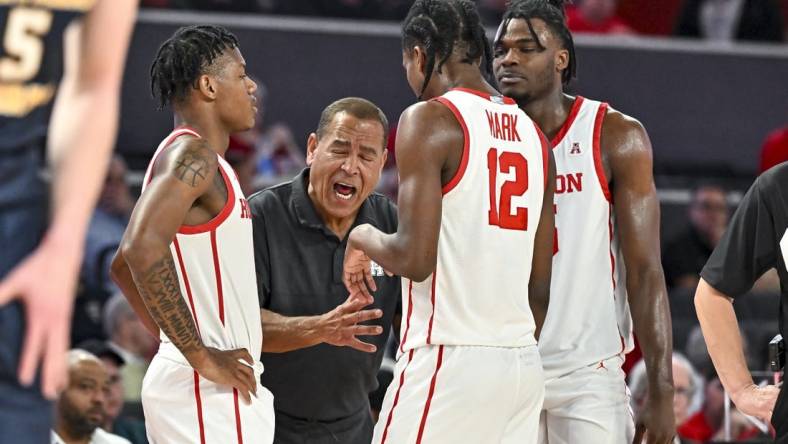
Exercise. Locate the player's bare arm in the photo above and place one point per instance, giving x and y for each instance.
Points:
(78, 152)
(428, 135)
(542, 262)
(627, 159)
(340, 327)
(723, 339)
(184, 190)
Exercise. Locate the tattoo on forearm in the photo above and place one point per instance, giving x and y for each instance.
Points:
(162, 295)
(191, 167)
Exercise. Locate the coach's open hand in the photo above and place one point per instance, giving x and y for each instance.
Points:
(342, 325)
(656, 422)
(223, 367)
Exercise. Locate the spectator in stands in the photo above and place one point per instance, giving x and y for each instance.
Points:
(107, 226)
(241, 156)
(728, 20)
(126, 427)
(277, 156)
(684, 256)
(775, 149)
(687, 383)
(596, 17)
(129, 339)
(80, 407)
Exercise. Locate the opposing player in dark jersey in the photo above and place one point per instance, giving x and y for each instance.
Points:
(474, 244)
(70, 54)
(606, 263)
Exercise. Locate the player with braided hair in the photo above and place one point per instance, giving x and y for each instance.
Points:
(186, 262)
(609, 276)
(475, 222)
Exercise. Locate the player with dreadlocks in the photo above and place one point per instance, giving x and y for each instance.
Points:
(607, 262)
(186, 262)
(475, 222)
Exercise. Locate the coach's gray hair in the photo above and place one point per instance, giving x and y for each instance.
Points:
(356, 107)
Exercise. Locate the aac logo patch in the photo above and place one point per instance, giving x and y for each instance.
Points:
(575, 150)
(375, 269)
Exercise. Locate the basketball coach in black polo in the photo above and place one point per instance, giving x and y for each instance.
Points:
(756, 240)
(321, 350)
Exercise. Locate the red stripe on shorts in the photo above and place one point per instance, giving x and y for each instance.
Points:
(237, 418)
(199, 406)
(396, 398)
(429, 397)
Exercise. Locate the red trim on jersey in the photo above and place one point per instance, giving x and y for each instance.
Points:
(186, 282)
(613, 269)
(407, 319)
(199, 406)
(600, 170)
(545, 147)
(429, 397)
(396, 398)
(218, 273)
(237, 417)
(465, 147)
(221, 217)
(485, 95)
(432, 299)
(559, 136)
(610, 249)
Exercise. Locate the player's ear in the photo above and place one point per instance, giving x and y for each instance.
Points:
(311, 148)
(383, 160)
(420, 57)
(207, 86)
(561, 60)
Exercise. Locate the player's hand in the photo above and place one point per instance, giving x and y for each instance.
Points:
(342, 325)
(357, 273)
(656, 423)
(224, 367)
(756, 401)
(45, 282)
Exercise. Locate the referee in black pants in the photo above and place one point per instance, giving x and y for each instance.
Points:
(756, 240)
(321, 356)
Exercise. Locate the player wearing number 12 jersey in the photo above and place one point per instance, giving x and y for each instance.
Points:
(607, 269)
(476, 222)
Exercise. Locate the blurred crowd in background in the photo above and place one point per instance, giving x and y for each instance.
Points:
(105, 324)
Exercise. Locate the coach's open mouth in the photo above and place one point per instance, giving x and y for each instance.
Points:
(344, 191)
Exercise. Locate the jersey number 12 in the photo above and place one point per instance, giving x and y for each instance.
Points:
(500, 213)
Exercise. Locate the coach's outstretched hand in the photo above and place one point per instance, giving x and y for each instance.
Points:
(656, 423)
(224, 367)
(45, 282)
(342, 325)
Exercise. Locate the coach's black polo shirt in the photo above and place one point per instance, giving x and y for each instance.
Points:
(299, 273)
(755, 241)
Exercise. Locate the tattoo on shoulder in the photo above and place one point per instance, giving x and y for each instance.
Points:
(192, 166)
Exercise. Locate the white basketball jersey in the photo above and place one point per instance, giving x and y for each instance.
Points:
(215, 265)
(588, 318)
(478, 294)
